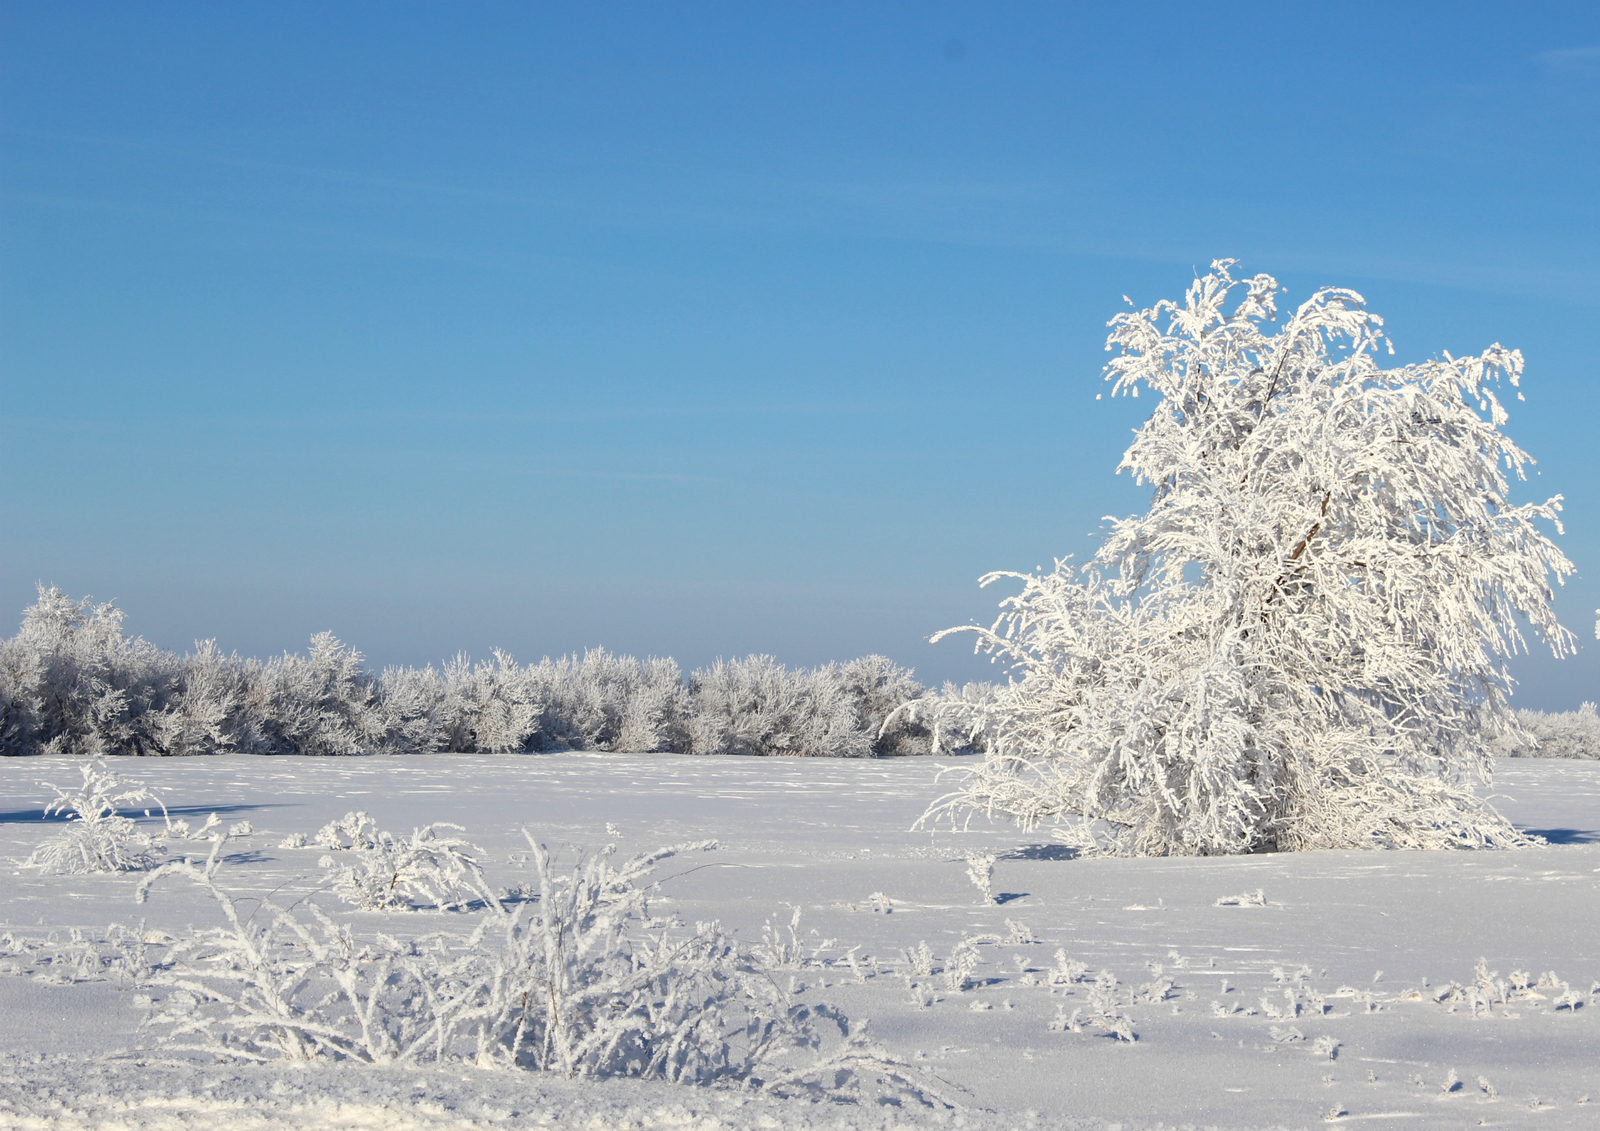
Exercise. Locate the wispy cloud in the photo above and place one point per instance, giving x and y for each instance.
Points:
(1572, 60)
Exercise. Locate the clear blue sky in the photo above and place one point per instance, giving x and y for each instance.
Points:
(704, 330)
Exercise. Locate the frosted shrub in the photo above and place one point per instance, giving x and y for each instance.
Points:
(97, 838)
(963, 963)
(583, 982)
(1066, 971)
(920, 960)
(1555, 734)
(209, 710)
(1300, 645)
(956, 719)
(606, 702)
(757, 706)
(377, 871)
(980, 871)
(1104, 1012)
(320, 704)
(488, 708)
(880, 689)
(71, 683)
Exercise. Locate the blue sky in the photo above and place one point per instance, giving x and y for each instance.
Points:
(704, 330)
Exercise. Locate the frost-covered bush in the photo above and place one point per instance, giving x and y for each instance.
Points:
(1301, 644)
(880, 689)
(71, 683)
(955, 719)
(209, 710)
(472, 708)
(97, 837)
(1555, 734)
(606, 702)
(377, 871)
(757, 706)
(582, 981)
(323, 703)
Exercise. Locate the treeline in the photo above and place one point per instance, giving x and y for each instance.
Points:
(72, 683)
(1557, 734)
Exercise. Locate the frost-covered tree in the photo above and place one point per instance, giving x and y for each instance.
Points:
(71, 683)
(324, 703)
(880, 688)
(1302, 643)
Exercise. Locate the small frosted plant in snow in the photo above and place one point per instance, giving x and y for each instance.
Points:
(1569, 999)
(919, 960)
(963, 962)
(780, 946)
(1450, 1083)
(180, 830)
(97, 838)
(1104, 1012)
(1257, 898)
(922, 996)
(1020, 933)
(1326, 1046)
(382, 873)
(52, 959)
(980, 870)
(1155, 991)
(1066, 970)
(576, 982)
(355, 829)
(1489, 1091)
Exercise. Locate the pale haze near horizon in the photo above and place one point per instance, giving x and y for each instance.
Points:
(708, 330)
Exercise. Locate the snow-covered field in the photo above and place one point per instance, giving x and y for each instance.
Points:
(1347, 995)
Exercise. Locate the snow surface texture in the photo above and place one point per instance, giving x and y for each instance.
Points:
(1022, 998)
(71, 683)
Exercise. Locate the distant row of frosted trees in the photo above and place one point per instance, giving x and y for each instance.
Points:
(72, 683)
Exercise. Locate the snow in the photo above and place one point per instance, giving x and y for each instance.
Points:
(827, 836)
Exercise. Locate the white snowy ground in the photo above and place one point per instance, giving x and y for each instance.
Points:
(1336, 927)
